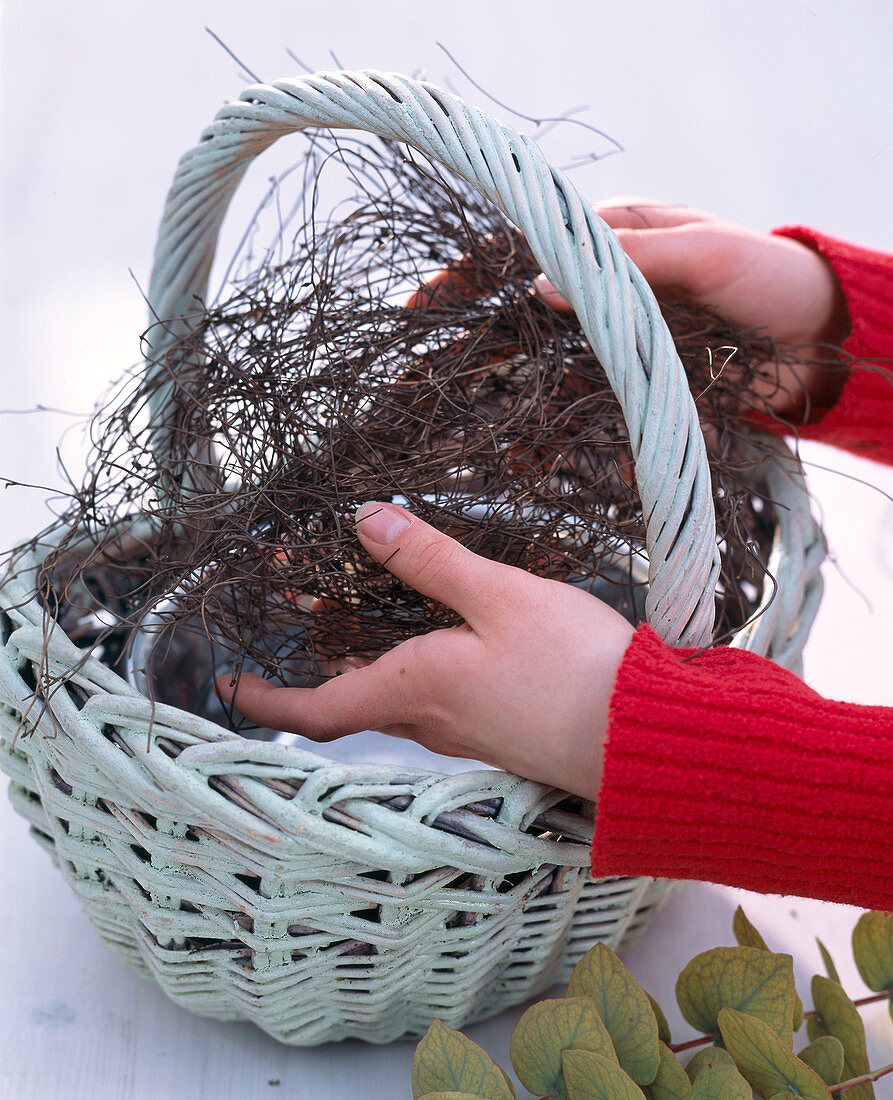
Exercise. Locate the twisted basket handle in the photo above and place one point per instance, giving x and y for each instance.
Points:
(572, 245)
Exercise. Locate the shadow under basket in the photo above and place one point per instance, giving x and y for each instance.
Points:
(257, 881)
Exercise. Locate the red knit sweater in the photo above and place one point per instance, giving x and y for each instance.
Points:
(726, 768)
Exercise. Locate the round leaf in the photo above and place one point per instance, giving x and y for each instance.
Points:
(550, 1027)
(840, 1018)
(452, 1096)
(747, 979)
(590, 1076)
(873, 950)
(448, 1061)
(825, 1056)
(720, 1082)
(712, 1056)
(748, 936)
(815, 1029)
(624, 1006)
(671, 1082)
(764, 1060)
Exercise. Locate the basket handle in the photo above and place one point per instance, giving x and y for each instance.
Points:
(573, 246)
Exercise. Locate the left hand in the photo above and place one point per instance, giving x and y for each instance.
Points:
(757, 282)
(523, 683)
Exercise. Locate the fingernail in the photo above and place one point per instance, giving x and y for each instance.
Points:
(382, 523)
(545, 290)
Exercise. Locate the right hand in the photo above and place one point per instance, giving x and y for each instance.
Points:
(754, 280)
(523, 683)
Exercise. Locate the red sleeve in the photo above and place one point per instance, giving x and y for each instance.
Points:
(727, 768)
(862, 419)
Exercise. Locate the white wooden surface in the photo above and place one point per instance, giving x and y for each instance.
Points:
(772, 113)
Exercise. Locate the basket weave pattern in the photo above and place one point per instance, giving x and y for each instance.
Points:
(320, 900)
(254, 887)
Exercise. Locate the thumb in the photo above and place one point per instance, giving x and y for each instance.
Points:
(547, 293)
(429, 561)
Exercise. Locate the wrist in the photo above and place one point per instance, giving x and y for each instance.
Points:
(583, 756)
(811, 375)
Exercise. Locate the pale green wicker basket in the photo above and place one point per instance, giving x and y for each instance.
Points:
(258, 881)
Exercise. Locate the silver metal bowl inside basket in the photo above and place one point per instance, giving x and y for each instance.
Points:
(176, 663)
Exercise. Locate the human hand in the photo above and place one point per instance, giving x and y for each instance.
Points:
(523, 683)
(754, 280)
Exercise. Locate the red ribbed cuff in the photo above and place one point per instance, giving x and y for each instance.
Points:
(727, 768)
(862, 419)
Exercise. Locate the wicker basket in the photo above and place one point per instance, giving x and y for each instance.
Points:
(259, 881)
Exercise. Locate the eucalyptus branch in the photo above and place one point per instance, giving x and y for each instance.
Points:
(700, 1041)
(607, 1037)
(865, 1079)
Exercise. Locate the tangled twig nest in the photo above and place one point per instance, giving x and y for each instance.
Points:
(315, 387)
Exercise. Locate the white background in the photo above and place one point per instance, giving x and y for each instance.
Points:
(772, 112)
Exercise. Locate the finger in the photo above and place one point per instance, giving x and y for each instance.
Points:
(327, 605)
(435, 564)
(364, 698)
(677, 258)
(337, 666)
(547, 293)
(462, 282)
(626, 468)
(682, 259)
(632, 212)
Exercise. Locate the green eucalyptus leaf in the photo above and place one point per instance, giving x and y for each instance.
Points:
(663, 1028)
(825, 1056)
(745, 933)
(720, 1082)
(815, 1029)
(841, 1018)
(830, 968)
(711, 1056)
(786, 1095)
(591, 1076)
(764, 1060)
(446, 1060)
(671, 1082)
(748, 936)
(873, 950)
(550, 1027)
(452, 1095)
(624, 1006)
(748, 979)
